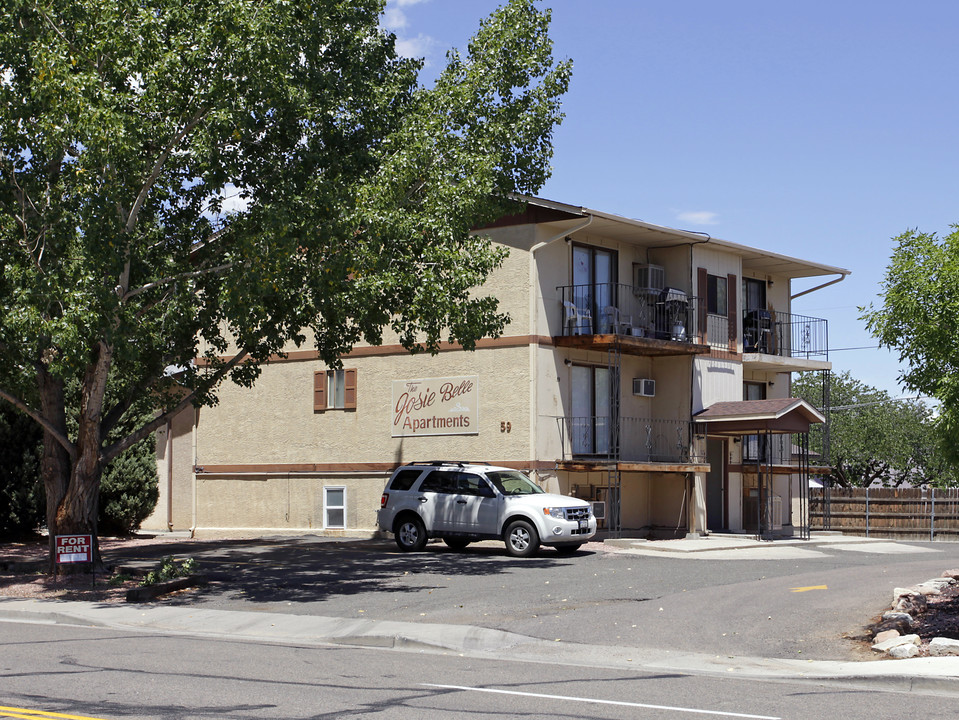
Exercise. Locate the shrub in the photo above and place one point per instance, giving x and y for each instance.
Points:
(22, 500)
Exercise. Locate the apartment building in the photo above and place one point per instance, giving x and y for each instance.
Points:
(645, 369)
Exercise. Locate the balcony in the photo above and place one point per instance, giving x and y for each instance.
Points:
(595, 440)
(777, 335)
(641, 321)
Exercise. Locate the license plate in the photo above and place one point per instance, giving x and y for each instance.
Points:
(584, 524)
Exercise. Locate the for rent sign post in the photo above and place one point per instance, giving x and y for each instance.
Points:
(74, 548)
(435, 406)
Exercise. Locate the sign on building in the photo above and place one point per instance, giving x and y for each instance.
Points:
(435, 406)
(74, 548)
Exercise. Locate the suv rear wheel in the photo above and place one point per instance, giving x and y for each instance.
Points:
(410, 533)
(521, 539)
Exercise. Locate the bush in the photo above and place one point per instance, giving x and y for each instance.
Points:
(169, 569)
(22, 500)
(128, 490)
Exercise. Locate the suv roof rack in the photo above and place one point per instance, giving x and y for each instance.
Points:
(458, 463)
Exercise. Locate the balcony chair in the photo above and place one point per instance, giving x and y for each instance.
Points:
(621, 323)
(579, 322)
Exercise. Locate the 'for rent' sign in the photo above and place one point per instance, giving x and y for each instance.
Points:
(74, 548)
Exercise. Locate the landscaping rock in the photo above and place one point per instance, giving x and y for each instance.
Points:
(881, 637)
(954, 574)
(910, 601)
(888, 645)
(904, 651)
(933, 587)
(942, 647)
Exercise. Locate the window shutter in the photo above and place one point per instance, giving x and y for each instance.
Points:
(319, 390)
(349, 388)
(732, 292)
(703, 302)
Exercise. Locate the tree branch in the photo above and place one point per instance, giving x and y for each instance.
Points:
(173, 278)
(40, 420)
(112, 451)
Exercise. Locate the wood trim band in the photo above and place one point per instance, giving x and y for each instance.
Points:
(356, 467)
(391, 350)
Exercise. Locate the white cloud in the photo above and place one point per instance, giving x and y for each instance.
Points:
(417, 47)
(395, 21)
(699, 217)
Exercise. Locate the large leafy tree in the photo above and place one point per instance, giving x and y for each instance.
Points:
(919, 317)
(190, 188)
(874, 437)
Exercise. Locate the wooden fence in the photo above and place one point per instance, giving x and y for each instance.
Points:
(885, 512)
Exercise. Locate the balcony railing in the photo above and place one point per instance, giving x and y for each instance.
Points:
(634, 440)
(619, 309)
(785, 334)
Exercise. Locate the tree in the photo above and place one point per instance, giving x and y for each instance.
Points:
(919, 317)
(874, 437)
(191, 188)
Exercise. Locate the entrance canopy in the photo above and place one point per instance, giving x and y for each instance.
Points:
(746, 417)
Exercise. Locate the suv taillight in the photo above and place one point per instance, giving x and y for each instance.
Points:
(384, 499)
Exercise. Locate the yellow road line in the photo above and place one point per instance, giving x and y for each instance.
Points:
(33, 714)
(809, 587)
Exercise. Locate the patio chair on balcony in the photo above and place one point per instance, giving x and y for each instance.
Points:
(621, 323)
(579, 322)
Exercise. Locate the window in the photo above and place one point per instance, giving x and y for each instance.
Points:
(716, 303)
(334, 390)
(334, 507)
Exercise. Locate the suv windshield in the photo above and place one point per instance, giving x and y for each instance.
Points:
(513, 483)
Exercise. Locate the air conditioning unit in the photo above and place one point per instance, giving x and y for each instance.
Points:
(648, 277)
(599, 509)
(644, 387)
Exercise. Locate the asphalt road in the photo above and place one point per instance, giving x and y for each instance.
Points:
(810, 603)
(109, 674)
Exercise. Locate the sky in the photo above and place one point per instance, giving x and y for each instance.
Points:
(819, 129)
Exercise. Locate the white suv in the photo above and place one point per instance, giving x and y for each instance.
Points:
(462, 502)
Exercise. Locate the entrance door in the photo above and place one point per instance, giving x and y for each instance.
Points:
(716, 514)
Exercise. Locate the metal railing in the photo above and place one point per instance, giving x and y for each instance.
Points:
(620, 309)
(785, 334)
(630, 440)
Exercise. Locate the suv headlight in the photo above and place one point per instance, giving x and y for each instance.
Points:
(555, 512)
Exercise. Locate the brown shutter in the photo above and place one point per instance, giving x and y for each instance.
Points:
(732, 292)
(319, 391)
(349, 388)
(703, 304)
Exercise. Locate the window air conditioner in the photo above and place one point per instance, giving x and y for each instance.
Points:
(648, 277)
(644, 387)
(599, 509)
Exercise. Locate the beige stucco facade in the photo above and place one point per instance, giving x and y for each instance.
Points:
(267, 460)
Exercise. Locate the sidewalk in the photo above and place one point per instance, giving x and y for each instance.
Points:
(934, 675)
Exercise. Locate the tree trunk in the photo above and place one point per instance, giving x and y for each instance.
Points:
(55, 465)
(74, 477)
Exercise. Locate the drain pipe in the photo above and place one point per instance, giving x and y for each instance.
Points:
(534, 333)
(818, 287)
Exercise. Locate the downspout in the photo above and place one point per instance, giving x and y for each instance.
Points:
(818, 287)
(196, 420)
(534, 333)
(169, 475)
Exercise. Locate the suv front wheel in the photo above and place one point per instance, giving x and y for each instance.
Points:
(521, 538)
(410, 534)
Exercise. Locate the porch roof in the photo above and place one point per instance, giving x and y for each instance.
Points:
(743, 417)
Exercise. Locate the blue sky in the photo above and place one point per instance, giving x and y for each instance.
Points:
(817, 129)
